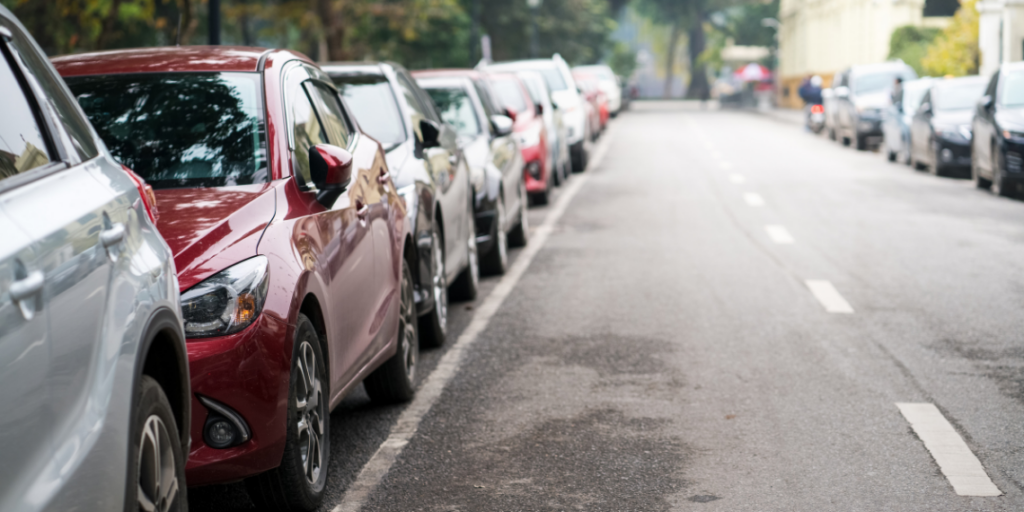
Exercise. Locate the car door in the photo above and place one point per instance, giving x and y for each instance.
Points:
(337, 234)
(984, 129)
(505, 155)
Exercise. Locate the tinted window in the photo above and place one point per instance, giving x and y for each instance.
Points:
(957, 96)
(373, 104)
(553, 78)
(22, 146)
(484, 92)
(306, 129)
(1012, 94)
(533, 88)
(456, 109)
(331, 114)
(510, 94)
(912, 97)
(180, 129)
(876, 82)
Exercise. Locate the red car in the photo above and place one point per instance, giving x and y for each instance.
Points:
(598, 100)
(290, 243)
(529, 129)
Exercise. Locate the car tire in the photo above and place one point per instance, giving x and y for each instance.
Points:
(520, 234)
(434, 325)
(979, 182)
(832, 134)
(153, 484)
(496, 260)
(998, 185)
(466, 285)
(578, 155)
(890, 155)
(861, 142)
(395, 380)
(298, 484)
(845, 141)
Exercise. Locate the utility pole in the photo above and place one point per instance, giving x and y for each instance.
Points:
(213, 21)
(534, 43)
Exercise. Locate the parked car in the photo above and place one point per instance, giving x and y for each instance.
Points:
(859, 95)
(940, 133)
(558, 147)
(95, 385)
(998, 143)
(608, 83)
(566, 96)
(496, 164)
(431, 174)
(291, 242)
(531, 131)
(897, 117)
(591, 90)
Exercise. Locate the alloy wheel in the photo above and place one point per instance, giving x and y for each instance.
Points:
(440, 288)
(407, 328)
(310, 405)
(158, 480)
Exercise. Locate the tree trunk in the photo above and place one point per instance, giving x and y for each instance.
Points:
(670, 57)
(188, 23)
(108, 25)
(334, 29)
(698, 88)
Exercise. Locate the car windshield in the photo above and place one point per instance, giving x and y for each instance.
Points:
(874, 82)
(456, 109)
(551, 75)
(180, 129)
(955, 96)
(912, 96)
(1012, 94)
(510, 94)
(373, 103)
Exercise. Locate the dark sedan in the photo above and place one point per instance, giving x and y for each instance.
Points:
(998, 143)
(859, 96)
(940, 134)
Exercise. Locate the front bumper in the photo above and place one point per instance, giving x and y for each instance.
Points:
(249, 372)
(868, 127)
(949, 153)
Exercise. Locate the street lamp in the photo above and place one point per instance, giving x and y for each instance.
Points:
(534, 44)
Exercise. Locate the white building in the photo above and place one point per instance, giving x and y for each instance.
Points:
(1000, 33)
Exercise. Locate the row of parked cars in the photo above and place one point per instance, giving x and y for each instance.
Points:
(968, 126)
(205, 249)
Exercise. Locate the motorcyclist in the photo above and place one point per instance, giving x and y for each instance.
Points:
(810, 90)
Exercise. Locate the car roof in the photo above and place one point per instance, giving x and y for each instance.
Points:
(353, 68)
(451, 72)
(523, 64)
(166, 59)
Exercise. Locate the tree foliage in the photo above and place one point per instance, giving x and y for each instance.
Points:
(955, 50)
(910, 44)
(576, 29)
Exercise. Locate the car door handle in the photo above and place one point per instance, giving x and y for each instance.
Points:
(29, 286)
(112, 236)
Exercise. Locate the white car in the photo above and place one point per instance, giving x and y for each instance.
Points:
(608, 84)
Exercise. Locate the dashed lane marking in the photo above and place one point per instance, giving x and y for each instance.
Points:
(753, 199)
(958, 463)
(828, 296)
(778, 234)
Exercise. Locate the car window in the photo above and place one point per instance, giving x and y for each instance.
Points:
(306, 129)
(510, 94)
(373, 104)
(1012, 93)
(912, 96)
(456, 109)
(419, 110)
(333, 117)
(958, 96)
(484, 92)
(56, 92)
(180, 129)
(22, 145)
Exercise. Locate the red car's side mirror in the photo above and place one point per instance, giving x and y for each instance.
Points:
(331, 170)
(511, 114)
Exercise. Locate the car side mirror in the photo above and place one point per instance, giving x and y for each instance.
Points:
(511, 114)
(431, 133)
(330, 167)
(842, 92)
(539, 109)
(985, 102)
(502, 125)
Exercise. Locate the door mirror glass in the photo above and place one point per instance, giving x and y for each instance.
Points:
(330, 167)
(431, 133)
(502, 125)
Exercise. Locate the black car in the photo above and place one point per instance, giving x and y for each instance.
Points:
(858, 97)
(998, 145)
(940, 133)
(429, 170)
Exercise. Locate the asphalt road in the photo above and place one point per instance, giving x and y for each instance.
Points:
(663, 349)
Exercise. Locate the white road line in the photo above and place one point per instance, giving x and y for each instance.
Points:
(428, 394)
(737, 178)
(828, 296)
(963, 470)
(778, 234)
(753, 199)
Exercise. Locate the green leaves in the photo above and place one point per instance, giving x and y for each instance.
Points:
(955, 51)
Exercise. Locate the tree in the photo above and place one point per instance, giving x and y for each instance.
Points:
(622, 60)
(576, 29)
(955, 50)
(910, 44)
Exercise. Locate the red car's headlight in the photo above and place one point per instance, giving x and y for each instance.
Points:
(228, 301)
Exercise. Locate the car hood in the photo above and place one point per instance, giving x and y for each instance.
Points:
(957, 117)
(1010, 118)
(210, 229)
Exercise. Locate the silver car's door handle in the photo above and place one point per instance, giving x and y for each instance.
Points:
(28, 287)
(112, 236)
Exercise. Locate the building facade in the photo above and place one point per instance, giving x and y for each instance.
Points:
(1000, 33)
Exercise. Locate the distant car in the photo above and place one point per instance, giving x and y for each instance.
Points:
(531, 130)
(858, 99)
(998, 142)
(940, 133)
(896, 120)
(608, 83)
(496, 164)
(430, 172)
(94, 386)
(558, 146)
(566, 96)
(292, 247)
(591, 90)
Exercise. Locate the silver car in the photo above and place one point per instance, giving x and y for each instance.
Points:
(94, 383)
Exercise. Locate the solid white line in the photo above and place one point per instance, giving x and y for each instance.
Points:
(778, 234)
(753, 199)
(737, 178)
(428, 394)
(963, 470)
(828, 296)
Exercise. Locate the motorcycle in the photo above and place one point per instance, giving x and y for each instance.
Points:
(815, 117)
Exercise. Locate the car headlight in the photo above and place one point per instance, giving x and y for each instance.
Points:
(228, 301)
(530, 137)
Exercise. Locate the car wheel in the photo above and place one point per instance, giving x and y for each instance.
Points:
(890, 154)
(861, 142)
(158, 468)
(846, 141)
(465, 286)
(832, 134)
(934, 168)
(394, 381)
(556, 174)
(998, 186)
(520, 234)
(299, 482)
(979, 182)
(496, 260)
(579, 157)
(435, 323)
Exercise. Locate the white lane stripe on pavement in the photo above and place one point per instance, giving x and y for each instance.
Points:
(778, 234)
(427, 395)
(737, 178)
(753, 199)
(828, 296)
(957, 462)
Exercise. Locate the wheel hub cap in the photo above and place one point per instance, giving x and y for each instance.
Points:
(310, 406)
